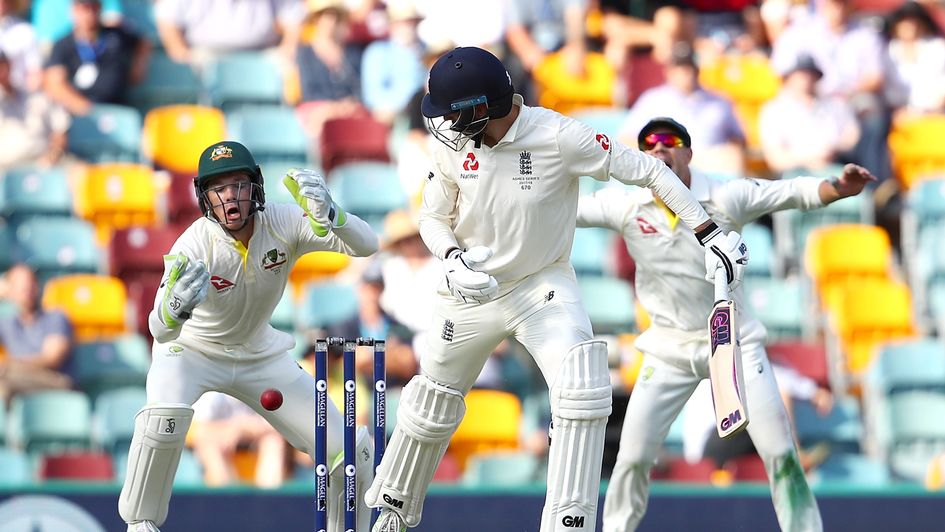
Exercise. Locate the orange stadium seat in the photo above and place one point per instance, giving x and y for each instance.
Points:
(748, 81)
(315, 266)
(174, 136)
(916, 149)
(492, 422)
(842, 253)
(95, 304)
(116, 195)
(560, 90)
(866, 315)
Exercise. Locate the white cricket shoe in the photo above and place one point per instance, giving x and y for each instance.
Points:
(143, 526)
(389, 521)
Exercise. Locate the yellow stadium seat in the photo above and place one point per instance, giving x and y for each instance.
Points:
(492, 422)
(95, 304)
(115, 196)
(314, 266)
(560, 90)
(916, 149)
(174, 136)
(748, 81)
(840, 253)
(868, 313)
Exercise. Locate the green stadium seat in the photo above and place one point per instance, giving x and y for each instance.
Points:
(778, 303)
(760, 243)
(139, 17)
(368, 189)
(917, 416)
(51, 421)
(108, 133)
(243, 79)
(7, 239)
(29, 191)
(274, 134)
(503, 469)
(165, 83)
(908, 365)
(283, 317)
(604, 120)
(852, 469)
(273, 172)
(842, 428)
(16, 468)
(110, 364)
(609, 304)
(591, 250)
(189, 470)
(51, 21)
(58, 246)
(114, 417)
(326, 303)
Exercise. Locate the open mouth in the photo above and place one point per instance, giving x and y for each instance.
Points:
(233, 213)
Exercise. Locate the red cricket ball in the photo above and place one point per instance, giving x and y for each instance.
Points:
(271, 399)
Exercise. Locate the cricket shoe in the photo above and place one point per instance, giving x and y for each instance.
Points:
(389, 521)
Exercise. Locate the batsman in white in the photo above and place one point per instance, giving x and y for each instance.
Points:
(670, 285)
(223, 278)
(499, 212)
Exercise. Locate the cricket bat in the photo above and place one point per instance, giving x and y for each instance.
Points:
(725, 363)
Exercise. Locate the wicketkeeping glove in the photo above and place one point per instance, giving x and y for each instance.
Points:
(185, 288)
(464, 281)
(728, 253)
(310, 192)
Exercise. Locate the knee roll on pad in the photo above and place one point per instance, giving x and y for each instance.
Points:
(581, 401)
(427, 417)
(156, 446)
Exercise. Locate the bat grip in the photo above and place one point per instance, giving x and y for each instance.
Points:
(721, 285)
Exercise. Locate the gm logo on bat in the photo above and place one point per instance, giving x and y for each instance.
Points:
(732, 418)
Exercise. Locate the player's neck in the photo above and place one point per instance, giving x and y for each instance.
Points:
(498, 127)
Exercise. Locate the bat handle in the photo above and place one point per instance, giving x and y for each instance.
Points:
(721, 285)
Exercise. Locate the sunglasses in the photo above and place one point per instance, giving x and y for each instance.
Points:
(669, 140)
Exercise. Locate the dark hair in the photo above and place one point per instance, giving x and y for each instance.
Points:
(914, 10)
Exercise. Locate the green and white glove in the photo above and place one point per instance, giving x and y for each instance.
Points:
(310, 192)
(185, 288)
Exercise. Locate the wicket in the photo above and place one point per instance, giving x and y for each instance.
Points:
(349, 414)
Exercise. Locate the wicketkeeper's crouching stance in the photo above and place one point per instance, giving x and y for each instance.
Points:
(211, 325)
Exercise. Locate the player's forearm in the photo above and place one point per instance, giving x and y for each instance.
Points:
(161, 333)
(358, 237)
(437, 235)
(679, 199)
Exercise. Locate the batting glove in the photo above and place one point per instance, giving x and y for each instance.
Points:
(310, 192)
(464, 280)
(185, 288)
(725, 253)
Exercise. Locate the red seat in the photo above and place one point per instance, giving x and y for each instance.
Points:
(808, 359)
(747, 468)
(679, 470)
(449, 470)
(141, 291)
(138, 250)
(78, 466)
(182, 200)
(353, 139)
(643, 72)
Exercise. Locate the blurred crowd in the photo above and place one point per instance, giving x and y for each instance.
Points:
(767, 88)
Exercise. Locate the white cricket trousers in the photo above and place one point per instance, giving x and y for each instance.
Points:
(659, 394)
(183, 375)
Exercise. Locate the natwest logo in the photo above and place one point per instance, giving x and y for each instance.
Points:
(470, 164)
(221, 284)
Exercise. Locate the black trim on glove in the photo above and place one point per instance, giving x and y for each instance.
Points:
(708, 233)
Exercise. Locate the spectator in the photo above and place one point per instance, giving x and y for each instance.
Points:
(851, 56)
(537, 28)
(801, 130)
(373, 322)
(392, 70)
(221, 426)
(719, 145)
(916, 53)
(18, 41)
(329, 69)
(646, 24)
(38, 342)
(195, 32)
(95, 63)
(32, 128)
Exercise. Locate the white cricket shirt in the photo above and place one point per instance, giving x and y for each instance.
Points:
(247, 284)
(670, 262)
(519, 198)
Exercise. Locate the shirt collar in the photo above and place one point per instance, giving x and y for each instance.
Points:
(512, 133)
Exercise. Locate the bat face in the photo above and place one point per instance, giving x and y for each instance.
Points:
(725, 371)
